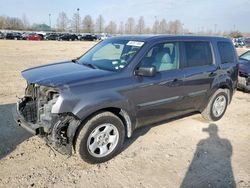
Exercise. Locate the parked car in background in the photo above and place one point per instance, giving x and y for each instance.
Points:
(1, 35)
(24, 35)
(244, 71)
(79, 36)
(89, 37)
(51, 37)
(91, 104)
(102, 36)
(247, 42)
(41, 35)
(33, 36)
(13, 36)
(68, 37)
(238, 42)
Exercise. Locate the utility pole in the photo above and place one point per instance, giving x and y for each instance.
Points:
(78, 21)
(50, 21)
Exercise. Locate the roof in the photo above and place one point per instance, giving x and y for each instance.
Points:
(170, 37)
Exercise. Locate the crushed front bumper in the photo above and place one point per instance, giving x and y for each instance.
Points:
(19, 119)
(54, 138)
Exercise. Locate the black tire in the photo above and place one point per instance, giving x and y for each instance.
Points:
(208, 113)
(81, 144)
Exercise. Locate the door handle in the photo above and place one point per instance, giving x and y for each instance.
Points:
(176, 82)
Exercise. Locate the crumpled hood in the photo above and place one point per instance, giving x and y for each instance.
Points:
(62, 74)
(244, 66)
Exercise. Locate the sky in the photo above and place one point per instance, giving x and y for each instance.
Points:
(196, 15)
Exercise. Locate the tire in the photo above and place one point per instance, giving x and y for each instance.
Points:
(92, 143)
(209, 113)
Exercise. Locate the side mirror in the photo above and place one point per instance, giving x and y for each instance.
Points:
(146, 71)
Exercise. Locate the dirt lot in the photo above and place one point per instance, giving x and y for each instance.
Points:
(178, 153)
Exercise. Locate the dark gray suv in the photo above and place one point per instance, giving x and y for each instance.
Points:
(91, 104)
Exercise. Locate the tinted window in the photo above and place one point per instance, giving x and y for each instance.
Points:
(164, 56)
(198, 54)
(226, 52)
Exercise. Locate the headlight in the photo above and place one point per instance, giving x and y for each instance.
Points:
(56, 107)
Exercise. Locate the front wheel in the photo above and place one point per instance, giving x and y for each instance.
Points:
(100, 138)
(216, 106)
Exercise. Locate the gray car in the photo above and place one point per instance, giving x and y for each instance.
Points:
(89, 105)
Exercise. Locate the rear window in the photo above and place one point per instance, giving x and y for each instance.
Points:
(198, 54)
(226, 52)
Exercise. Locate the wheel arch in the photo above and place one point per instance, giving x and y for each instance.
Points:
(119, 112)
(223, 82)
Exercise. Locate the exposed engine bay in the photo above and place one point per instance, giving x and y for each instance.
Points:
(37, 104)
(36, 109)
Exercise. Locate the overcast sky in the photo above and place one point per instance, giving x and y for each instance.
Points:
(195, 14)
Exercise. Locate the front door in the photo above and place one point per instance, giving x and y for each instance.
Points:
(159, 97)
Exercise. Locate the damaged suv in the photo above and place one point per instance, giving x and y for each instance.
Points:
(89, 105)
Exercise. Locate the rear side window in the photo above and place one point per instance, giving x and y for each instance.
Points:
(226, 52)
(198, 54)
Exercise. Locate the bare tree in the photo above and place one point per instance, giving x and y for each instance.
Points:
(62, 21)
(13, 23)
(155, 27)
(121, 28)
(25, 21)
(130, 26)
(111, 28)
(100, 24)
(148, 30)
(140, 27)
(2, 22)
(88, 24)
(75, 22)
(175, 27)
(163, 27)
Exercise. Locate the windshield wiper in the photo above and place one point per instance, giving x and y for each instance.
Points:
(74, 60)
(91, 65)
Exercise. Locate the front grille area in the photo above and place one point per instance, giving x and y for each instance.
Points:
(28, 109)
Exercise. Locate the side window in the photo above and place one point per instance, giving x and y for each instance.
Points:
(198, 54)
(226, 52)
(164, 56)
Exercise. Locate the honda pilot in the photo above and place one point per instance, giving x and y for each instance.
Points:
(89, 105)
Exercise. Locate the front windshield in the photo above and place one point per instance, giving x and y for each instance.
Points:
(246, 56)
(111, 54)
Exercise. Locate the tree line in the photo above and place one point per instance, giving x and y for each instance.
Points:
(87, 24)
(130, 26)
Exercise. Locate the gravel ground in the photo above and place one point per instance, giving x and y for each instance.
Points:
(177, 153)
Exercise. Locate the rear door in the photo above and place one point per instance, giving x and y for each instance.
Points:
(200, 70)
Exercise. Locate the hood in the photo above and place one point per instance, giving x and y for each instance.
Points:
(244, 66)
(61, 74)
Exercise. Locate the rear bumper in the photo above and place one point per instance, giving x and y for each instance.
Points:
(19, 119)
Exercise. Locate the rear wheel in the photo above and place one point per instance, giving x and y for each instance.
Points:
(100, 138)
(217, 105)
